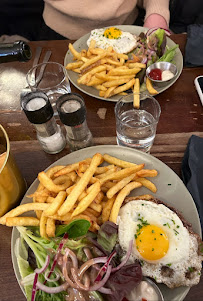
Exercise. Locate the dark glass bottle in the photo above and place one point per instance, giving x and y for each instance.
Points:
(17, 51)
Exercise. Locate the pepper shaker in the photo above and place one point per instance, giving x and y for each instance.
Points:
(72, 112)
(38, 109)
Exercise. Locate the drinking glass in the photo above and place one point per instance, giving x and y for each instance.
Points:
(50, 78)
(12, 184)
(136, 128)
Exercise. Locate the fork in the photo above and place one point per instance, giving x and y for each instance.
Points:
(34, 80)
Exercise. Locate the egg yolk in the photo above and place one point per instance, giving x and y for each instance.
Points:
(112, 33)
(152, 242)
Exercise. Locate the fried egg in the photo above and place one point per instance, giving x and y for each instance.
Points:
(121, 41)
(167, 251)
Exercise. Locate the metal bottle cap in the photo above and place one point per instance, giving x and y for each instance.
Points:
(37, 107)
(71, 109)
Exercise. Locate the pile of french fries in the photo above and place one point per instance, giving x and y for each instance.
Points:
(82, 190)
(108, 71)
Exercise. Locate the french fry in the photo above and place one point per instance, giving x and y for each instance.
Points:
(118, 186)
(108, 172)
(99, 197)
(150, 88)
(100, 87)
(50, 227)
(109, 92)
(116, 82)
(42, 226)
(72, 66)
(136, 65)
(49, 184)
(122, 173)
(124, 87)
(147, 173)
(22, 209)
(107, 209)
(51, 171)
(96, 207)
(119, 71)
(103, 169)
(86, 201)
(74, 52)
(67, 169)
(81, 185)
(56, 204)
(93, 60)
(148, 184)
(118, 162)
(136, 96)
(120, 198)
(22, 221)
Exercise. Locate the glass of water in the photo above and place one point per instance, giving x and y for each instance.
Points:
(136, 128)
(50, 78)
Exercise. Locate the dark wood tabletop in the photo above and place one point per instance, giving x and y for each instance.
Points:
(181, 117)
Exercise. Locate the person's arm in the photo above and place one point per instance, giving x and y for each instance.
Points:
(157, 13)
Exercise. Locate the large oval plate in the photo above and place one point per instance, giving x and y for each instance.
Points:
(170, 189)
(82, 44)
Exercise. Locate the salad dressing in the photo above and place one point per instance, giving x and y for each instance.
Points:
(144, 291)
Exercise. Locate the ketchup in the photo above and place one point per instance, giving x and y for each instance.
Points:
(156, 74)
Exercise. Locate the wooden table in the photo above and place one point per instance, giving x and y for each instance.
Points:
(181, 117)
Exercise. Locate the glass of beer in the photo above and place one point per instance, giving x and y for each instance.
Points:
(12, 184)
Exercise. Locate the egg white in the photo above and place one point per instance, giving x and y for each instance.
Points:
(123, 44)
(183, 247)
(158, 215)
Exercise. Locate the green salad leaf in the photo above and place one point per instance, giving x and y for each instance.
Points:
(168, 55)
(75, 229)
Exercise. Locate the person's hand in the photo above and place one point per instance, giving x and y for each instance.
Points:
(156, 20)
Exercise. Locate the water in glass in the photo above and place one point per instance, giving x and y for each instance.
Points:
(136, 129)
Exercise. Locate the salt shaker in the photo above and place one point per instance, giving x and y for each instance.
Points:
(38, 109)
(72, 112)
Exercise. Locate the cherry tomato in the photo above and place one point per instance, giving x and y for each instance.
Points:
(156, 74)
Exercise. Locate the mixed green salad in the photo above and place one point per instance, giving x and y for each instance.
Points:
(76, 264)
(152, 47)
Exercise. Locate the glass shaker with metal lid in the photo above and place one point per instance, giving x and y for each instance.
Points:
(38, 109)
(72, 112)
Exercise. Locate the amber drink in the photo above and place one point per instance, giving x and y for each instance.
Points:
(12, 184)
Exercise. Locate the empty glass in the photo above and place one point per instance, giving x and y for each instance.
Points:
(50, 78)
(137, 127)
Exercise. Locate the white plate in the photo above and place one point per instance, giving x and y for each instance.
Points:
(170, 189)
(82, 44)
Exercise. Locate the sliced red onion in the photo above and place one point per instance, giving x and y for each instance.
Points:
(52, 290)
(105, 290)
(65, 273)
(63, 241)
(91, 262)
(126, 258)
(105, 267)
(152, 30)
(77, 281)
(144, 60)
(88, 253)
(53, 279)
(44, 267)
(73, 257)
(34, 287)
(101, 283)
